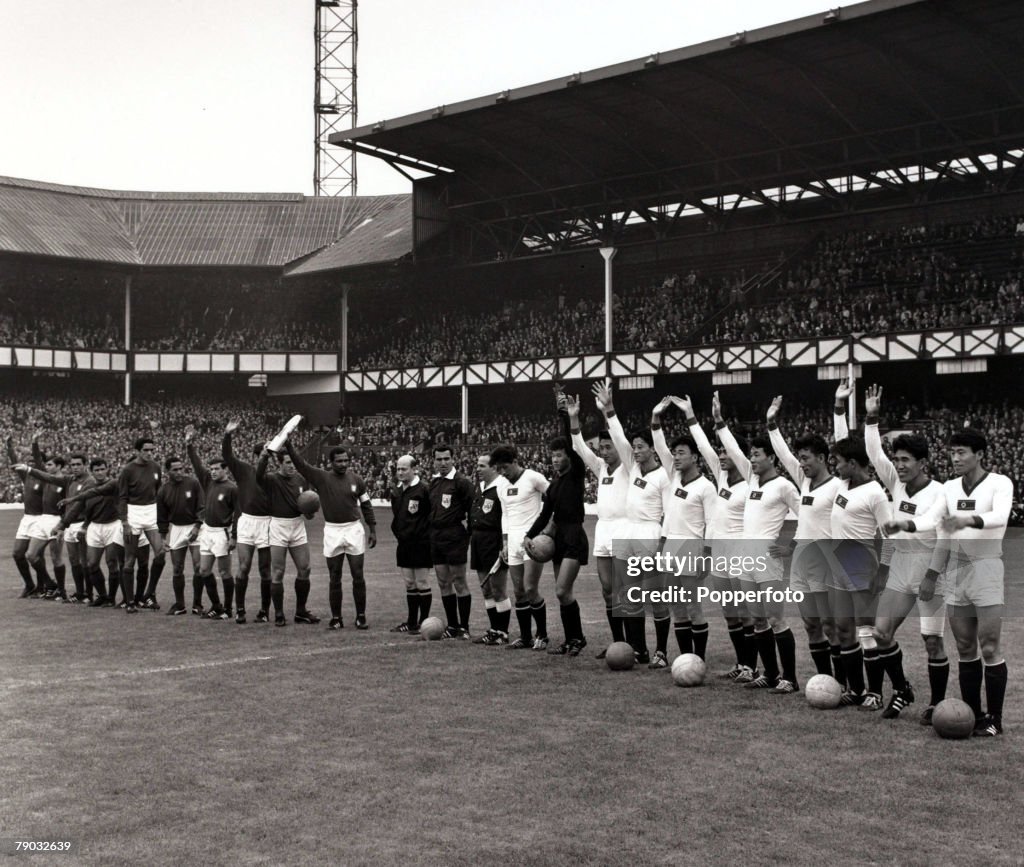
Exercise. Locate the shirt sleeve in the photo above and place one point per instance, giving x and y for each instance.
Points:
(661, 447)
(586, 453)
(840, 426)
(930, 520)
(876, 454)
(1002, 505)
(707, 451)
(732, 449)
(622, 446)
(787, 458)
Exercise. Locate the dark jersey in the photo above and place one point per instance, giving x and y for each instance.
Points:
(251, 497)
(138, 483)
(485, 516)
(57, 488)
(450, 502)
(282, 491)
(410, 507)
(179, 503)
(74, 513)
(101, 507)
(564, 497)
(341, 497)
(31, 489)
(220, 498)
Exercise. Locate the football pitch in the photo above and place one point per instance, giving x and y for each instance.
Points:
(168, 740)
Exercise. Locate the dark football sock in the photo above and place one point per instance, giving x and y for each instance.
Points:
(765, 641)
(142, 573)
(178, 584)
(426, 598)
(785, 642)
(126, 587)
(971, 676)
(750, 642)
(301, 593)
(566, 618)
(412, 602)
(43, 579)
(614, 623)
(197, 591)
(738, 644)
(113, 584)
(465, 604)
(576, 620)
(451, 610)
(661, 630)
(79, 578)
(211, 590)
(938, 678)
(539, 611)
(99, 583)
(490, 610)
(60, 575)
(525, 618)
(821, 656)
(229, 592)
(700, 640)
(502, 619)
(836, 652)
(853, 667)
(277, 595)
(266, 593)
(684, 636)
(24, 571)
(892, 660)
(334, 595)
(875, 670)
(154, 576)
(241, 585)
(359, 595)
(636, 632)
(995, 688)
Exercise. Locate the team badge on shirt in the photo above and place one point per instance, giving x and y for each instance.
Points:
(446, 501)
(725, 493)
(965, 505)
(188, 495)
(641, 483)
(414, 506)
(156, 476)
(756, 495)
(220, 496)
(807, 501)
(909, 508)
(511, 492)
(353, 489)
(487, 506)
(681, 493)
(841, 501)
(607, 480)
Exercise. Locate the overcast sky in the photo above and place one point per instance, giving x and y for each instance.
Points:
(216, 95)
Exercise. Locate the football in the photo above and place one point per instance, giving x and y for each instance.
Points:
(432, 629)
(953, 719)
(620, 656)
(688, 670)
(543, 548)
(823, 692)
(309, 503)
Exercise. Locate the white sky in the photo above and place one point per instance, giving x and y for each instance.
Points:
(216, 95)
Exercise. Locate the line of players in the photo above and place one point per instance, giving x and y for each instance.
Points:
(652, 495)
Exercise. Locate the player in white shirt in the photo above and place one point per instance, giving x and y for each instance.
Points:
(612, 487)
(808, 574)
(689, 509)
(521, 503)
(860, 509)
(973, 512)
(913, 492)
(724, 528)
(770, 499)
(645, 508)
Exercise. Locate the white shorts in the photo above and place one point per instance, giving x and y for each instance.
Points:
(178, 536)
(977, 583)
(43, 526)
(102, 535)
(809, 568)
(687, 552)
(141, 518)
(516, 551)
(71, 532)
(254, 530)
(26, 526)
(605, 533)
(341, 539)
(933, 617)
(288, 532)
(906, 571)
(638, 539)
(214, 541)
(773, 572)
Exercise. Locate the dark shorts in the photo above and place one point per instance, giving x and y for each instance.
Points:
(571, 543)
(449, 547)
(413, 554)
(485, 550)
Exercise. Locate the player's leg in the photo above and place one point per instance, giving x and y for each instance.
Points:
(94, 576)
(865, 609)
(56, 549)
(223, 564)
(964, 624)
(335, 593)
(355, 552)
(532, 572)
(114, 556)
(932, 615)
(606, 577)
(498, 584)
(76, 561)
(207, 560)
(851, 660)
(785, 641)
(159, 559)
(655, 582)
(127, 576)
(245, 558)
(764, 639)
(278, 560)
(483, 578)
(447, 591)
(566, 572)
(463, 597)
(631, 612)
(35, 554)
(990, 624)
(19, 554)
(516, 573)
(411, 623)
(300, 557)
(893, 608)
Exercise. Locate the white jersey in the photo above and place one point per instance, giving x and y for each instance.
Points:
(727, 520)
(645, 494)
(611, 487)
(521, 501)
(689, 507)
(990, 500)
(814, 517)
(769, 503)
(858, 513)
(905, 506)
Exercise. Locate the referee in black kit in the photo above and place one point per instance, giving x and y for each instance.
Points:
(451, 499)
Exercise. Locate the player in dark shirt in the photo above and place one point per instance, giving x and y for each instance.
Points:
(137, 487)
(253, 526)
(32, 503)
(180, 507)
(562, 519)
(95, 505)
(217, 535)
(287, 535)
(410, 507)
(343, 498)
(451, 499)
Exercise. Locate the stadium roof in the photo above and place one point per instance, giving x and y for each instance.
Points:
(868, 90)
(200, 229)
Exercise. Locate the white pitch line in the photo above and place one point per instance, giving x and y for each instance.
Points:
(195, 666)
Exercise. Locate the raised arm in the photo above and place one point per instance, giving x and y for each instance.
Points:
(707, 451)
(49, 478)
(12, 458)
(840, 425)
(732, 448)
(314, 476)
(884, 468)
(579, 445)
(202, 473)
(658, 435)
(603, 395)
(227, 450)
(261, 467)
(37, 451)
(780, 445)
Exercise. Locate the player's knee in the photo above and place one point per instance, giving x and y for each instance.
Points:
(777, 622)
(934, 646)
(564, 595)
(989, 649)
